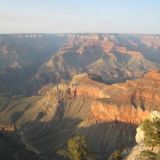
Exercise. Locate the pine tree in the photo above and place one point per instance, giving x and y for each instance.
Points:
(151, 129)
(77, 149)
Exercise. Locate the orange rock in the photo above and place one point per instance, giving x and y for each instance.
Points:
(109, 113)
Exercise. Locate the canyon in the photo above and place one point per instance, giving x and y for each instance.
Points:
(34, 60)
(57, 86)
(83, 106)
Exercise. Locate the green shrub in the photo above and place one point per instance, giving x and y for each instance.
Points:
(151, 130)
(76, 149)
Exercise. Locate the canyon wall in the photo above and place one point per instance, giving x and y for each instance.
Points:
(106, 114)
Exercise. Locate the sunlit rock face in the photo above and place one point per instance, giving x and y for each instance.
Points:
(154, 115)
(106, 112)
(83, 106)
(139, 135)
(129, 102)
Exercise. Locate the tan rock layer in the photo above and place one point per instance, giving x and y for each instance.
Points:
(109, 113)
(129, 102)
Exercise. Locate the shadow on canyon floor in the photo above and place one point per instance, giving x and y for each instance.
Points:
(103, 137)
(12, 148)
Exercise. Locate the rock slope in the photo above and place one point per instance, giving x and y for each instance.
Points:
(107, 114)
(108, 58)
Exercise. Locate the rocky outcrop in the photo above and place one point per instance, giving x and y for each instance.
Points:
(135, 152)
(129, 102)
(86, 107)
(108, 58)
(140, 133)
(113, 113)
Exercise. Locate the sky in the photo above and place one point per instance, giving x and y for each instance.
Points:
(85, 16)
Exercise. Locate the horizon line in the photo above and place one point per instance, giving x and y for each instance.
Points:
(130, 33)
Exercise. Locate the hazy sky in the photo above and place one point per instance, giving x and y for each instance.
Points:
(124, 16)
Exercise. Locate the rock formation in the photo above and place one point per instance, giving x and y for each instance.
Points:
(135, 152)
(84, 106)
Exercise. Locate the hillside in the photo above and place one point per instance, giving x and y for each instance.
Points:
(108, 58)
(83, 106)
(29, 61)
(21, 55)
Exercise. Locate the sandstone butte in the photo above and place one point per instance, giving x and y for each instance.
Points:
(129, 102)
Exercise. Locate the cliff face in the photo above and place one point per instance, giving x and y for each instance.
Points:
(108, 58)
(109, 113)
(129, 102)
(84, 106)
(34, 60)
